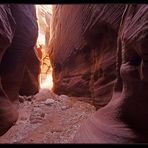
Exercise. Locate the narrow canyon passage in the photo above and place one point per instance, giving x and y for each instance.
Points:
(45, 117)
(73, 73)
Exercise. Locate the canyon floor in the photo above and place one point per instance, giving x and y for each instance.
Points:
(48, 118)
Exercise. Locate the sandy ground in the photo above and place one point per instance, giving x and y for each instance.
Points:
(48, 118)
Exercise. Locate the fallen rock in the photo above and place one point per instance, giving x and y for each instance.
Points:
(39, 123)
(21, 99)
(49, 102)
(65, 107)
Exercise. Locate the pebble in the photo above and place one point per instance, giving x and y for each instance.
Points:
(42, 115)
(49, 101)
(65, 107)
(29, 98)
(23, 118)
(21, 99)
(63, 97)
(37, 109)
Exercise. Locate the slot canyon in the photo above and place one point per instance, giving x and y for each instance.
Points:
(73, 73)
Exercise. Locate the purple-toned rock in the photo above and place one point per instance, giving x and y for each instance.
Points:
(8, 111)
(124, 118)
(30, 84)
(18, 33)
(17, 56)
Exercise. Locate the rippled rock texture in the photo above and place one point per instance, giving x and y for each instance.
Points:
(8, 113)
(124, 118)
(83, 50)
(17, 56)
(18, 35)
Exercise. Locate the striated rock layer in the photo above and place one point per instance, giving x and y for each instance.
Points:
(83, 50)
(24, 40)
(8, 113)
(7, 28)
(18, 35)
(124, 118)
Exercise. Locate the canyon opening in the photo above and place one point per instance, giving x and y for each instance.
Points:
(73, 73)
(44, 13)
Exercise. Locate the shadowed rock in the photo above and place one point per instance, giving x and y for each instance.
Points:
(124, 118)
(18, 33)
(21, 48)
(30, 84)
(8, 111)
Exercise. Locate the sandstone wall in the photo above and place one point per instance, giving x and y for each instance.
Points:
(124, 118)
(83, 49)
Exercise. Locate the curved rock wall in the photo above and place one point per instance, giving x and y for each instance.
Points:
(8, 113)
(18, 35)
(30, 84)
(83, 50)
(15, 58)
(7, 27)
(124, 118)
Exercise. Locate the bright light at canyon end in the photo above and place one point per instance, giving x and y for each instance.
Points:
(46, 81)
(41, 39)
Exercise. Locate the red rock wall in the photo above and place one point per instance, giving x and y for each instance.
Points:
(30, 83)
(17, 54)
(83, 50)
(7, 27)
(124, 118)
(8, 113)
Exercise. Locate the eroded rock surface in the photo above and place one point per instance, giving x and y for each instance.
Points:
(18, 34)
(8, 112)
(83, 50)
(15, 58)
(124, 118)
